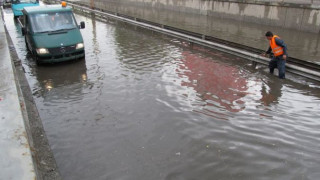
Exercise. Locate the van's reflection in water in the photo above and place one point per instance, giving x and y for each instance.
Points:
(62, 78)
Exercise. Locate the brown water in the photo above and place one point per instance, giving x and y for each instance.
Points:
(146, 106)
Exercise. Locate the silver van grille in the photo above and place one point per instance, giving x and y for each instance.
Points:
(62, 50)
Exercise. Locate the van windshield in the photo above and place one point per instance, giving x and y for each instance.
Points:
(50, 22)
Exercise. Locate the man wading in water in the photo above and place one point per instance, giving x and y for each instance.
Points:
(279, 50)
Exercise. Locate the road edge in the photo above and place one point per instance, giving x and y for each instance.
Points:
(42, 156)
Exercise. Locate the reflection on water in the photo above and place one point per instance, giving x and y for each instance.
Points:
(218, 85)
(52, 77)
(146, 106)
(270, 93)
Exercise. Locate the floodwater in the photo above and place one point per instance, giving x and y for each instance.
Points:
(146, 106)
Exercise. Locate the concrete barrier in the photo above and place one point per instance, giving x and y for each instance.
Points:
(25, 152)
(302, 15)
(196, 38)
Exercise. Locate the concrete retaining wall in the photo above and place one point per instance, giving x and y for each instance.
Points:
(301, 15)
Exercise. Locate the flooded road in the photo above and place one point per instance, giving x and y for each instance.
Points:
(146, 106)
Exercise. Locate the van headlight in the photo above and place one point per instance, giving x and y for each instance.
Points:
(79, 46)
(42, 51)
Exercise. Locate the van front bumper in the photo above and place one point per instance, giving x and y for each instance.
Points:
(49, 58)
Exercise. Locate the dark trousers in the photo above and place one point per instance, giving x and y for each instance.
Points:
(279, 63)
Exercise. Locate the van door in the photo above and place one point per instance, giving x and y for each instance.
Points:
(28, 33)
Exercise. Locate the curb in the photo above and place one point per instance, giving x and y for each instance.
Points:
(45, 166)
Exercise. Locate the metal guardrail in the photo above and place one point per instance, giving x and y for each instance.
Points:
(296, 66)
(301, 2)
(294, 1)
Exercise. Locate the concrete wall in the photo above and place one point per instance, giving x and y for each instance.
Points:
(298, 16)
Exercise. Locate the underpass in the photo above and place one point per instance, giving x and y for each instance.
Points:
(143, 105)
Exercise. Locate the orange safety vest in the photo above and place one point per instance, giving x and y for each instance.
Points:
(277, 50)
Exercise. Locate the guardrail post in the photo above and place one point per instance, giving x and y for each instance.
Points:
(92, 4)
(254, 64)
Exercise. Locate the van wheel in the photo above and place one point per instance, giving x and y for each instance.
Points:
(37, 61)
(27, 45)
(35, 58)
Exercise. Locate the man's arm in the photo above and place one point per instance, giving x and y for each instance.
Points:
(269, 50)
